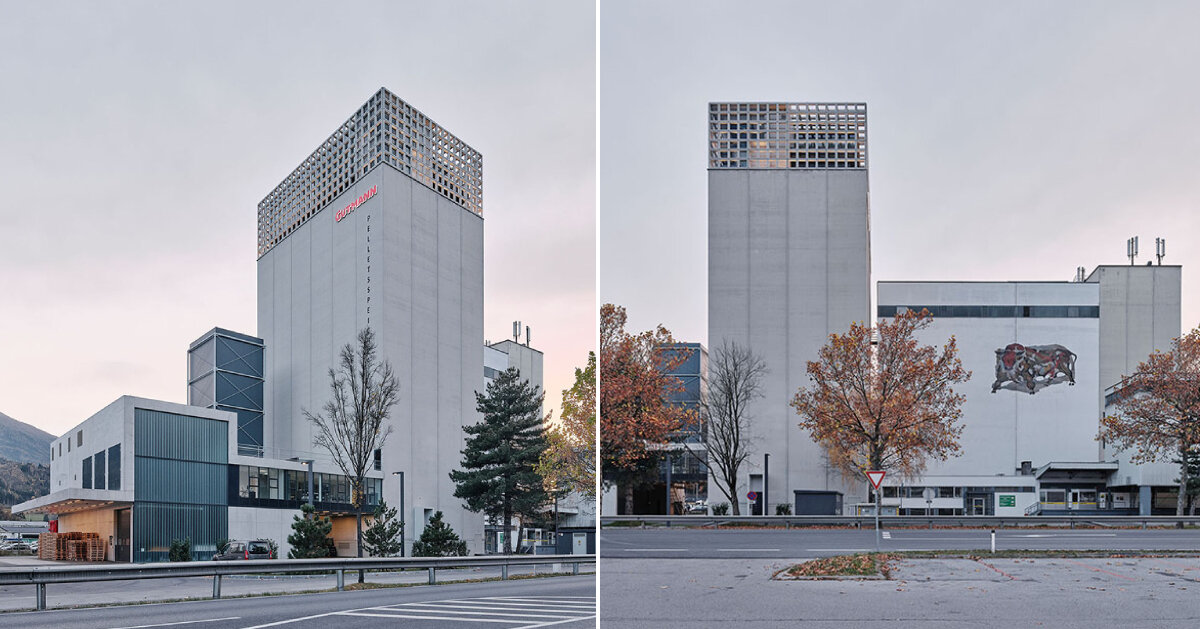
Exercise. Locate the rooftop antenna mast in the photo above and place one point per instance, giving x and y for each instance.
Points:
(1131, 249)
(517, 332)
(1160, 249)
(1080, 274)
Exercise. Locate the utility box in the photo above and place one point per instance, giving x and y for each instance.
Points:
(817, 502)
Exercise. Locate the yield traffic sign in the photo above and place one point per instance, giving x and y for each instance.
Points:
(876, 477)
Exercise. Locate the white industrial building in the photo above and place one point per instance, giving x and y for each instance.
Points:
(789, 264)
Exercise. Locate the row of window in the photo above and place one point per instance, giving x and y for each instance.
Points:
(102, 470)
(59, 445)
(999, 312)
(268, 483)
(951, 492)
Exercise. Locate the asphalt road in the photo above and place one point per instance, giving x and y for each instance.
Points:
(1146, 593)
(567, 602)
(691, 543)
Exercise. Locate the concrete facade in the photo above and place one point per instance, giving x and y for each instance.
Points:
(1002, 429)
(788, 264)
(406, 261)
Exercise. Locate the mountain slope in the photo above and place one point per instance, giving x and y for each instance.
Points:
(23, 443)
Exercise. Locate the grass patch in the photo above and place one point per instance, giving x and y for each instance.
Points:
(857, 565)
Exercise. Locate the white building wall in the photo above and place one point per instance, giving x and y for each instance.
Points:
(1139, 314)
(788, 264)
(409, 263)
(1002, 429)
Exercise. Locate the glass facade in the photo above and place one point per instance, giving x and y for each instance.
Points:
(225, 372)
(254, 486)
(179, 463)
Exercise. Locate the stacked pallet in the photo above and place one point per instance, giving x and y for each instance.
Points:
(72, 547)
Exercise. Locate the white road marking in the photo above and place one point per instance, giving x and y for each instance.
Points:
(655, 550)
(557, 605)
(455, 618)
(749, 550)
(182, 622)
(519, 612)
(292, 620)
(887, 535)
(481, 611)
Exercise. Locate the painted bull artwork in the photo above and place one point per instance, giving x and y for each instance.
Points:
(1029, 368)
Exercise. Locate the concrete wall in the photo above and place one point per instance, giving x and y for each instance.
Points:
(1002, 429)
(276, 524)
(1139, 313)
(788, 264)
(408, 263)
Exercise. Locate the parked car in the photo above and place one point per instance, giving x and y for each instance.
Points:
(252, 549)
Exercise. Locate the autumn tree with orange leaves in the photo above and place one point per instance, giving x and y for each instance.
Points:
(889, 406)
(636, 415)
(1158, 409)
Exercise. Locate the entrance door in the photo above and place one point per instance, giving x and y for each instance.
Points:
(579, 544)
(977, 506)
(121, 544)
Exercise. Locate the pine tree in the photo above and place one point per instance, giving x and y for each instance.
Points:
(439, 540)
(308, 536)
(499, 476)
(382, 538)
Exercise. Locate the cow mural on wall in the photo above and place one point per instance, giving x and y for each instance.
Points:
(1029, 368)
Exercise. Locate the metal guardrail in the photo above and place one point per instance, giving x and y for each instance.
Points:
(40, 576)
(964, 521)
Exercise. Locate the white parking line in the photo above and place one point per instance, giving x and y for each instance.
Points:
(182, 622)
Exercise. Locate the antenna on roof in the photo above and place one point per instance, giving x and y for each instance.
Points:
(1131, 249)
(527, 335)
(1160, 249)
(1080, 274)
(517, 332)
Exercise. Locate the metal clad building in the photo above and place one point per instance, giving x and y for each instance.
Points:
(788, 258)
(381, 226)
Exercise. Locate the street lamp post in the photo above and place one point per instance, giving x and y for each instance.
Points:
(403, 516)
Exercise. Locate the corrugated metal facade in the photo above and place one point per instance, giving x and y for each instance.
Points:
(181, 486)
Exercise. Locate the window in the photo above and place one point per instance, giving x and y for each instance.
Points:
(87, 473)
(79, 439)
(378, 459)
(114, 467)
(101, 468)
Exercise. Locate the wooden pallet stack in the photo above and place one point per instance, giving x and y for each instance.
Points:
(72, 547)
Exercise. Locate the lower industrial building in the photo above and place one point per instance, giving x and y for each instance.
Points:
(141, 473)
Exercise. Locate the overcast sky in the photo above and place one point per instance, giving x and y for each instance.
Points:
(1006, 140)
(137, 138)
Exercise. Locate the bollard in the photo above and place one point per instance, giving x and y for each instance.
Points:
(504, 571)
(341, 580)
(216, 586)
(41, 596)
(432, 577)
(993, 541)
(575, 568)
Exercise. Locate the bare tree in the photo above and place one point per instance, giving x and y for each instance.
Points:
(351, 424)
(734, 381)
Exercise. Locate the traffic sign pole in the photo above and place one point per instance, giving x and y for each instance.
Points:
(876, 478)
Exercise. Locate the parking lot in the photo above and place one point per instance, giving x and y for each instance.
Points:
(1069, 593)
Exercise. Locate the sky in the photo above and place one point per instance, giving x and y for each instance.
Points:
(137, 138)
(1006, 141)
